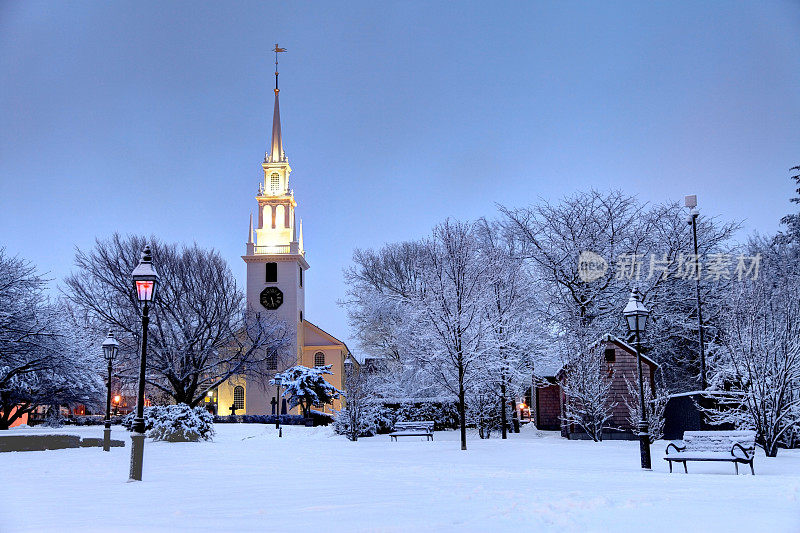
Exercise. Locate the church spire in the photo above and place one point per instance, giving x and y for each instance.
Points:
(276, 148)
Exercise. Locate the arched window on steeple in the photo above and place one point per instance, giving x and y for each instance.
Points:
(274, 182)
(280, 216)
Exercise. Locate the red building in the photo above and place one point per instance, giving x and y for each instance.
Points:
(620, 363)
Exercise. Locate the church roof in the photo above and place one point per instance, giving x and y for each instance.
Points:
(325, 335)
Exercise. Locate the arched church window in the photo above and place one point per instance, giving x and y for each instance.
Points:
(274, 182)
(238, 397)
(319, 359)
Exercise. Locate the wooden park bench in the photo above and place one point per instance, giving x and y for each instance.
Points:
(733, 446)
(413, 429)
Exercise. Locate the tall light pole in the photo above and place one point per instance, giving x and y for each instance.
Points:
(110, 347)
(145, 279)
(636, 315)
(691, 203)
(278, 381)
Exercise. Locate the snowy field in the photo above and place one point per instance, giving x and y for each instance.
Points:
(310, 480)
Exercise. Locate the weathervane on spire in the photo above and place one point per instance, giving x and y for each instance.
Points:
(277, 50)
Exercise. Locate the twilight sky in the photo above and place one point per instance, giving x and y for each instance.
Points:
(153, 117)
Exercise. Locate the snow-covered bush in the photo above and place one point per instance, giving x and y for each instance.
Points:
(443, 413)
(174, 423)
(483, 411)
(53, 418)
(346, 419)
(180, 423)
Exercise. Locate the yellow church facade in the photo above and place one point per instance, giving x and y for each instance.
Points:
(276, 264)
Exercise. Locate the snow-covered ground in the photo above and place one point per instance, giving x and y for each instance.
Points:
(310, 480)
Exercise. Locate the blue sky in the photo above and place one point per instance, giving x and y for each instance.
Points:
(153, 117)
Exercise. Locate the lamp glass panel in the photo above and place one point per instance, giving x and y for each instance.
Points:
(144, 290)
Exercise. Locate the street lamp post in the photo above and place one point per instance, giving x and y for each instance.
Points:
(691, 203)
(110, 347)
(277, 381)
(145, 279)
(636, 315)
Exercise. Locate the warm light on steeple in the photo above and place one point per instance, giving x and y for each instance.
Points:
(275, 232)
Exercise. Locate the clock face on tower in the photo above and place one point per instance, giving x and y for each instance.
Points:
(271, 298)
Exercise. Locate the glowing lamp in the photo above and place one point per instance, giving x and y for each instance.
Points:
(117, 399)
(145, 277)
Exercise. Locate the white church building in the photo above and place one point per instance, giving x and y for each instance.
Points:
(276, 265)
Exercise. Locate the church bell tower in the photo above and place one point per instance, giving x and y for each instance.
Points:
(275, 256)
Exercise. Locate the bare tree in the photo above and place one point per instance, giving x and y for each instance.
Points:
(650, 246)
(587, 387)
(359, 399)
(513, 333)
(655, 404)
(432, 293)
(43, 361)
(450, 310)
(200, 333)
(758, 357)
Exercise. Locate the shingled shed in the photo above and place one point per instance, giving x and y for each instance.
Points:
(620, 360)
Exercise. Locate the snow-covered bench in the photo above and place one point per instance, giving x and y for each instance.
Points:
(413, 429)
(733, 446)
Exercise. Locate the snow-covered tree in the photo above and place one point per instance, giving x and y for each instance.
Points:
(307, 387)
(382, 288)
(758, 356)
(355, 419)
(450, 310)
(43, 361)
(792, 220)
(587, 386)
(434, 293)
(655, 404)
(200, 333)
(513, 334)
(650, 246)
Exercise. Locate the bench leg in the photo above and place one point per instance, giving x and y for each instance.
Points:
(751, 468)
(670, 466)
(736, 465)
(684, 468)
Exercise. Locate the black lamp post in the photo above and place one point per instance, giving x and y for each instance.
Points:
(110, 347)
(145, 280)
(636, 315)
(277, 381)
(691, 203)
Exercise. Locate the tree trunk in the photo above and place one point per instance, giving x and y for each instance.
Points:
(462, 409)
(771, 450)
(503, 418)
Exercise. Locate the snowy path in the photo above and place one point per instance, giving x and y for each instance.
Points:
(249, 480)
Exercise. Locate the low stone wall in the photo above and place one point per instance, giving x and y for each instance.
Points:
(35, 443)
